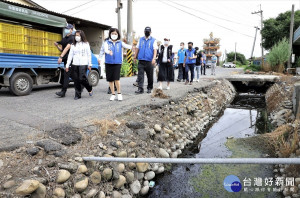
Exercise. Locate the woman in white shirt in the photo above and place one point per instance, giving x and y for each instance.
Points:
(80, 54)
(113, 61)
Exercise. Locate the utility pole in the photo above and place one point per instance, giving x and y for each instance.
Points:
(118, 10)
(129, 22)
(291, 35)
(256, 28)
(235, 53)
(260, 12)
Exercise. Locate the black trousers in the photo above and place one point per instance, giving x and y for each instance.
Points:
(181, 72)
(145, 66)
(79, 77)
(66, 79)
(166, 72)
(203, 68)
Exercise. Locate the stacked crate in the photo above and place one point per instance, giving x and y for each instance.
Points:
(11, 38)
(20, 40)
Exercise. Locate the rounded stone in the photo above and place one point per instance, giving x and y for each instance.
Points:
(59, 193)
(157, 128)
(82, 169)
(63, 175)
(9, 184)
(80, 186)
(149, 175)
(142, 167)
(28, 187)
(92, 193)
(116, 194)
(129, 177)
(107, 174)
(135, 187)
(121, 168)
(121, 181)
(96, 177)
(145, 190)
(40, 192)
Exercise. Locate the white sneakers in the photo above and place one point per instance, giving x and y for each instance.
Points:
(160, 87)
(112, 97)
(197, 80)
(119, 97)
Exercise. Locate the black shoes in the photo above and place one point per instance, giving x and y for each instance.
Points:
(149, 91)
(61, 94)
(139, 91)
(76, 98)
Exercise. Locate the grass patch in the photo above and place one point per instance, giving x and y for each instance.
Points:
(210, 181)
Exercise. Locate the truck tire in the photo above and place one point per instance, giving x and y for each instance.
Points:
(93, 78)
(21, 84)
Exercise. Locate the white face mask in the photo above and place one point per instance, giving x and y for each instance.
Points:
(114, 37)
(181, 46)
(166, 42)
(78, 38)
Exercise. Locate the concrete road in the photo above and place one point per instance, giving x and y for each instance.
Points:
(26, 118)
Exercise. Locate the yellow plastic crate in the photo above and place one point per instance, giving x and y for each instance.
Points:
(11, 51)
(52, 36)
(12, 29)
(11, 45)
(12, 37)
(35, 33)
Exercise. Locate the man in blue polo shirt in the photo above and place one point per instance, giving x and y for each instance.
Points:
(181, 55)
(189, 62)
(146, 51)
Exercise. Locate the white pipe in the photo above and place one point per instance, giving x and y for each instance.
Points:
(198, 160)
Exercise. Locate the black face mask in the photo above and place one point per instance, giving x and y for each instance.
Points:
(147, 34)
(190, 47)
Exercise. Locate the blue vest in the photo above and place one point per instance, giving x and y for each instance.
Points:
(190, 54)
(116, 49)
(146, 49)
(181, 55)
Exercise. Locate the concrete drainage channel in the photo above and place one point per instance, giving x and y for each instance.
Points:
(197, 125)
(244, 118)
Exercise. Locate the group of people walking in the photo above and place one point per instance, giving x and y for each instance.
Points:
(76, 55)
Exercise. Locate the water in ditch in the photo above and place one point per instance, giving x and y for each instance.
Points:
(232, 135)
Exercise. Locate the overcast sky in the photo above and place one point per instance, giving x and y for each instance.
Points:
(183, 20)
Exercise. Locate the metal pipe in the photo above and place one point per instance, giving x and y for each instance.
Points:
(198, 160)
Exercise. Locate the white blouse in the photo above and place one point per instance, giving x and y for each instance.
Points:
(80, 54)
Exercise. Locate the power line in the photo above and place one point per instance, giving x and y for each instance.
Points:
(210, 14)
(205, 19)
(78, 6)
(84, 9)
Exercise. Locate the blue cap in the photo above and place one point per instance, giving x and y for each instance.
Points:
(69, 26)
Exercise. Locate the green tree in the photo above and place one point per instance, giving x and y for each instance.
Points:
(279, 55)
(275, 29)
(239, 58)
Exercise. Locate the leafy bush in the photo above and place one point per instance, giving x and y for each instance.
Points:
(253, 68)
(124, 69)
(279, 55)
(239, 57)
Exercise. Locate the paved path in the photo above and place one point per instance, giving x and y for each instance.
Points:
(26, 118)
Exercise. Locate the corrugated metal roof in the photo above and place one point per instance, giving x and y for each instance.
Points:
(92, 23)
